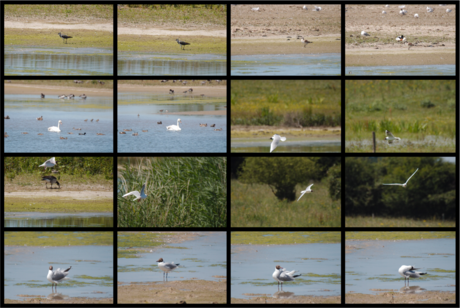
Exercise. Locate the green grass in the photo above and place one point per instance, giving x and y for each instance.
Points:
(397, 236)
(54, 239)
(286, 102)
(256, 206)
(414, 110)
(369, 222)
(284, 238)
(57, 205)
(182, 192)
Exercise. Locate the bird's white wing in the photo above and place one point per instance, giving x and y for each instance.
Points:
(389, 134)
(134, 193)
(411, 176)
(52, 160)
(274, 144)
(302, 193)
(393, 184)
(283, 138)
(310, 186)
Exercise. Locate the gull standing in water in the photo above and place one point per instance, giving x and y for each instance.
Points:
(408, 271)
(308, 190)
(403, 185)
(139, 196)
(166, 267)
(57, 275)
(281, 275)
(49, 163)
(276, 139)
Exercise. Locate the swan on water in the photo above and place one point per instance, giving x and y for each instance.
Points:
(54, 128)
(174, 127)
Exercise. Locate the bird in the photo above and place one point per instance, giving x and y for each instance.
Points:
(100, 134)
(40, 134)
(51, 179)
(7, 117)
(364, 33)
(402, 12)
(429, 9)
(82, 133)
(42, 95)
(305, 42)
(86, 120)
(40, 118)
(383, 12)
(276, 139)
(57, 275)
(203, 125)
(64, 37)
(405, 184)
(63, 96)
(92, 120)
(55, 128)
(174, 127)
(390, 137)
(135, 134)
(415, 15)
(218, 129)
(70, 133)
(305, 7)
(122, 133)
(97, 120)
(166, 267)
(25, 133)
(306, 191)
(408, 271)
(401, 38)
(49, 163)
(139, 196)
(182, 43)
(448, 10)
(171, 91)
(145, 131)
(5, 135)
(317, 8)
(160, 122)
(128, 130)
(409, 44)
(190, 90)
(62, 137)
(213, 125)
(83, 96)
(255, 9)
(71, 96)
(281, 275)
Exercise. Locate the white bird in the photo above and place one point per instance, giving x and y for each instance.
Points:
(387, 5)
(390, 137)
(174, 127)
(408, 271)
(364, 33)
(403, 185)
(255, 9)
(383, 12)
(62, 96)
(305, 7)
(429, 9)
(49, 163)
(57, 275)
(276, 139)
(303, 192)
(282, 275)
(401, 38)
(402, 12)
(54, 128)
(317, 8)
(448, 10)
(139, 196)
(167, 267)
(416, 15)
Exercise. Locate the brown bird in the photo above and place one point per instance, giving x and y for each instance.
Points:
(25, 133)
(92, 120)
(122, 133)
(97, 120)
(135, 134)
(218, 129)
(214, 125)
(6, 135)
(70, 133)
(160, 122)
(7, 117)
(100, 134)
(145, 130)
(40, 134)
(128, 130)
(63, 138)
(86, 120)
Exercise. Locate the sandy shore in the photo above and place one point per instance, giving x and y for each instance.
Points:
(293, 300)
(427, 297)
(58, 26)
(432, 34)
(173, 33)
(54, 90)
(219, 91)
(71, 300)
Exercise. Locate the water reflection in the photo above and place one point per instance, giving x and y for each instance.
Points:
(49, 220)
(411, 290)
(283, 294)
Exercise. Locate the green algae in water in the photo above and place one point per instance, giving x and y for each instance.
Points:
(284, 238)
(397, 236)
(141, 239)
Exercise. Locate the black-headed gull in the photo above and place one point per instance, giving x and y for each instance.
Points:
(403, 185)
(57, 275)
(49, 163)
(390, 137)
(408, 271)
(276, 139)
(303, 192)
(50, 179)
(282, 275)
(365, 33)
(139, 196)
(166, 267)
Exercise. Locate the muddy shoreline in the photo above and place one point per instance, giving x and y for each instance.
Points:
(428, 297)
(54, 90)
(294, 300)
(217, 91)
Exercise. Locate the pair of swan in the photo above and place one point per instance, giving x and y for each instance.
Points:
(54, 128)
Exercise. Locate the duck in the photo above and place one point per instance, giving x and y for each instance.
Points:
(213, 125)
(54, 128)
(63, 137)
(86, 120)
(218, 129)
(401, 38)
(145, 131)
(40, 118)
(128, 130)
(40, 134)
(82, 133)
(100, 134)
(135, 134)
(160, 122)
(171, 91)
(97, 120)
(70, 133)
(174, 127)
(63, 96)
(25, 133)
(42, 95)
(50, 179)
(7, 117)
(5, 135)
(92, 120)
(83, 96)
(203, 125)
(122, 133)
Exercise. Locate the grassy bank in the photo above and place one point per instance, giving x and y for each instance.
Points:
(54, 239)
(284, 238)
(60, 13)
(57, 205)
(397, 236)
(369, 221)
(293, 103)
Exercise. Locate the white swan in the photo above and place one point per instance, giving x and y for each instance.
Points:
(303, 192)
(174, 127)
(403, 185)
(54, 128)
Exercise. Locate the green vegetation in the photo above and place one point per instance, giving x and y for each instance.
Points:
(57, 204)
(294, 103)
(403, 222)
(389, 39)
(397, 236)
(181, 192)
(63, 238)
(414, 110)
(60, 13)
(284, 238)
(92, 84)
(429, 195)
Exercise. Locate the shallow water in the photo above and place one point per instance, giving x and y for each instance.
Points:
(253, 266)
(416, 70)
(191, 138)
(54, 220)
(24, 109)
(58, 61)
(26, 269)
(175, 64)
(287, 65)
(293, 147)
(202, 258)
(375, 265)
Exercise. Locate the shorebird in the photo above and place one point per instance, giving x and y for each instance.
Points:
(303, 192)
(408, 271)
(405, 184)
(364, 33)
(401, 38)
(139, 196)
(166, 267)
(171, 91)
(42, 95)
(390, 137)
(83, 96)
(64, 37)
(49, 163)
(282, 275)
(50, 179)
(305, 42)
(182, 43)
(57, 275)
(415, 15)
(410, 45)
(276, 139)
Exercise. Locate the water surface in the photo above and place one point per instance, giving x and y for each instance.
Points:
(50, 220)
(415, 70)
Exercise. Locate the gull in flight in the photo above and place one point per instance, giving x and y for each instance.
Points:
(139, 196)
(408, 271)
(308, 190)
(166, 267)
(282, 275)
(57, 275)
(276, 139)
(49, 163)
(403, 185)
(390, 137)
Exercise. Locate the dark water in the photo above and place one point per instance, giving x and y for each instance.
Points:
(296, 147)
(416, 70)
(50, 220)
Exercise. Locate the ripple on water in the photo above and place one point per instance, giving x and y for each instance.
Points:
(415, 70)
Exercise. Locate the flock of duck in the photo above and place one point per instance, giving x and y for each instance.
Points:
(70, 96)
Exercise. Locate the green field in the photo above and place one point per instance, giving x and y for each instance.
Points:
(291, 103)
(420, 112)
(256, 206)
(397, 236)
(370, 222)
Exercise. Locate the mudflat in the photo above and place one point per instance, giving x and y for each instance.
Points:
(206, 90)
(427, 297)
(293, 300)
(54, 90)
